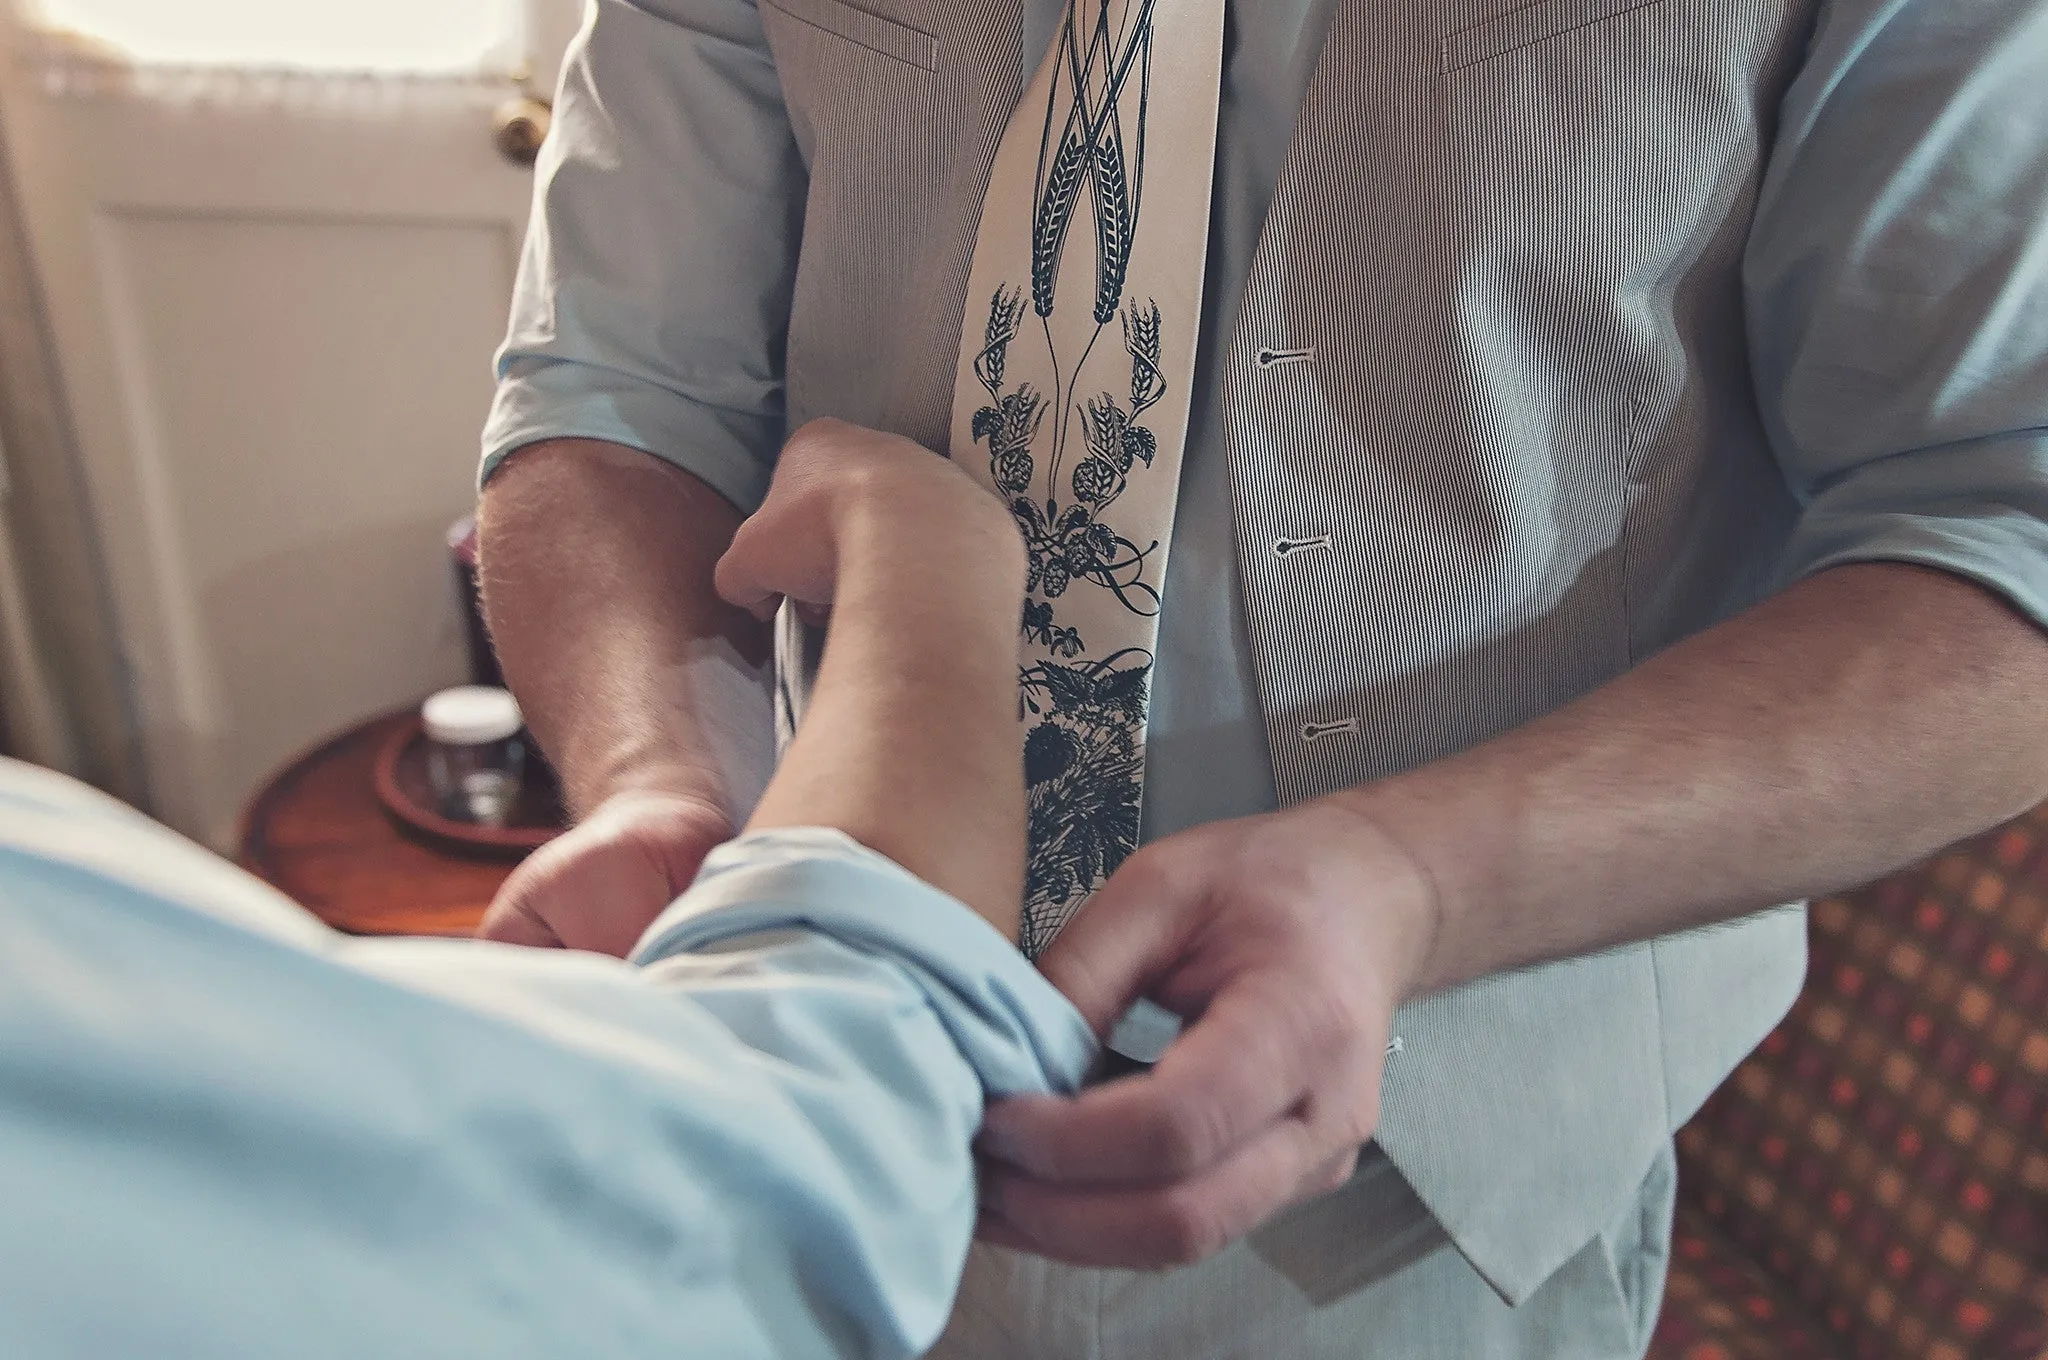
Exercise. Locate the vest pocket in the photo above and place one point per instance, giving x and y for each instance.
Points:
(859, 27)
(1528, 25)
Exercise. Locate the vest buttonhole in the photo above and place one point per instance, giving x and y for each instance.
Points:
(1288, 547)
(1268, 357)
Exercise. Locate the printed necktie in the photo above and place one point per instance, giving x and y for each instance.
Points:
(1072, 399)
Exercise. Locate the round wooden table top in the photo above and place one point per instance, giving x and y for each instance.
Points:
(318, 834)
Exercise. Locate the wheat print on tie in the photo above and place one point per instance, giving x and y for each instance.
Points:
(1072, 401)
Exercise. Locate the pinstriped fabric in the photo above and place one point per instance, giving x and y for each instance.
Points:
(871, 31)
(1527, 24)
(899, 160)
(1488, 557)
(1491, 441)
(898, 156)
(1487, 560)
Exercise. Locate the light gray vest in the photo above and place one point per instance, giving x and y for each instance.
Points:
(1511, 235)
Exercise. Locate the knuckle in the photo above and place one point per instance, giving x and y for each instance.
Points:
(1362, 1118)
(1188, 1137)
(1189, 1230)
(1070, 971)
(1144, 876)
(1324, 1016)
(739, 571)
(812, 434)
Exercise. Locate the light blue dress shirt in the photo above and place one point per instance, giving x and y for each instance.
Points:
(227, 1131)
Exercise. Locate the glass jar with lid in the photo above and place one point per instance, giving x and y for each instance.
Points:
(476, 753)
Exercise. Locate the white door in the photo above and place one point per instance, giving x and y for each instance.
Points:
(276, 247)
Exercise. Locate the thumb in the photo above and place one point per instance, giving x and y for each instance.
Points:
(510, 922)
(737, 576)
(1126, 938)
(599, 885)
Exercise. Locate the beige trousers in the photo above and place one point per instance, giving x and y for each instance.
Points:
(1364, 1272)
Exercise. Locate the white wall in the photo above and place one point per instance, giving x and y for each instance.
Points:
(273, 303)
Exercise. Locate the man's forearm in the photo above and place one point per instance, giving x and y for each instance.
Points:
(1860, 720)
(911, 743)
(633, 674)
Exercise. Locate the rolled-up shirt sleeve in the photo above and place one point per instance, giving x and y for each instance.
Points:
(230, 1131)
(1897, 293)
(653, 293)
(886, 1015)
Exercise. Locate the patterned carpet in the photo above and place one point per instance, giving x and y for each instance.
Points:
(1873, 1183)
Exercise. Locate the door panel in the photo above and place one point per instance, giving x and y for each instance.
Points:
(274, 299)
(307, 478)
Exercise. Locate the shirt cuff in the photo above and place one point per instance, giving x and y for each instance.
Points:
(1017, 1032)
(1977, 509)
(731, 451)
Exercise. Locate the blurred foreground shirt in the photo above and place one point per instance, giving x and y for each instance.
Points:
(226, 1130)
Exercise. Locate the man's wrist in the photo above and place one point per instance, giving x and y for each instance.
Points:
(1395, 849)
(590, 785)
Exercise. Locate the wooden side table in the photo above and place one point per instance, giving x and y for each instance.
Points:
(317, 833)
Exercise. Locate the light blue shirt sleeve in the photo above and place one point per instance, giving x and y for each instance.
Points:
(653, 294)
(228, 1131)
(1897, 281)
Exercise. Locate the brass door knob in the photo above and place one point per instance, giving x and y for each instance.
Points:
(519, 127)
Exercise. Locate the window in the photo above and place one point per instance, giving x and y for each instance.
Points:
(428, 37)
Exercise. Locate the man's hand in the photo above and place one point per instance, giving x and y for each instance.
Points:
(845, 497)
(1288, 940)
(648, 691)
(1861, 719)
(598, 886)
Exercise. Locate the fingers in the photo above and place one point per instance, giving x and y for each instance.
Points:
(1148, 1227)
(1305, 1152)
(1257, 931)
(511, 922)
(1128, 935)
(614, 927)
(775, 555)
(827, 471)
(592, 902)
(738, 579)
(1243, 1065)
(597, 886)
(1334, 1174)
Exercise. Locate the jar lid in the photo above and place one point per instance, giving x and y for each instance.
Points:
(470, 715)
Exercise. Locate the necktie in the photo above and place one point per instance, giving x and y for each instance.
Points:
(1071, 400)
